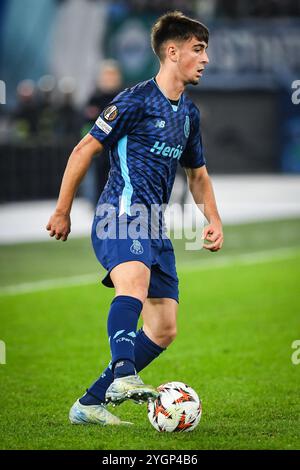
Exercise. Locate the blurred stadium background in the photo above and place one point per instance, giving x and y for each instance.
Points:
(61, 61)
(54, 62)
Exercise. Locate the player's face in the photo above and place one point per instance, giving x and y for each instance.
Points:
(192, 60)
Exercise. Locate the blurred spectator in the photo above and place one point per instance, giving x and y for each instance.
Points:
(108, 86)
(44, 115)
(257, 8)
(68, 119)
(227, 8)
(47, 114)
(151, 6)
(205, 9)
(25, 117)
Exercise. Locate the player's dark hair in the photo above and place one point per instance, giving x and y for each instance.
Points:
(175, 25)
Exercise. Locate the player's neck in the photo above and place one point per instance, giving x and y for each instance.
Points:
(171, 88)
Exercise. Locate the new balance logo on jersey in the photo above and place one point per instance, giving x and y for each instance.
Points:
(160, 148)
(160, 123)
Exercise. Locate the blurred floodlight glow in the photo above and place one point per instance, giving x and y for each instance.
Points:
(46, 83)
(26, 88)
(67, 85)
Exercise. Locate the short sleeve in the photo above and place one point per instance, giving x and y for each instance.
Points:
(119, 118)
(192, 156)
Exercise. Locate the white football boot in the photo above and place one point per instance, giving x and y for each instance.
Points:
(93, 414)
(130, 387)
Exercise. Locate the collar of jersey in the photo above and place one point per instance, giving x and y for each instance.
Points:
(179, 102)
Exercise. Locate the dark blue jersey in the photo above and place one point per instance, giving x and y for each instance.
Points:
(147, 136)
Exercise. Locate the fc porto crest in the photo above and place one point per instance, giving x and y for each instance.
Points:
(110, 113)
(136, 248)
(187, 127)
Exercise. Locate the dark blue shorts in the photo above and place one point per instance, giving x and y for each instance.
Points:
(156, 254)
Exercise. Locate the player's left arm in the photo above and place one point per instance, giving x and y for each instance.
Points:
(202, 191)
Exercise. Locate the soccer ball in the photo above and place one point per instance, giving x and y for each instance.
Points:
(177, 408)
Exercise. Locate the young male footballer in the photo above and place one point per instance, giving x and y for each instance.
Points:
(148, 129)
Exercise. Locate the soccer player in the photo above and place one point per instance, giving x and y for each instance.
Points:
(148, 129)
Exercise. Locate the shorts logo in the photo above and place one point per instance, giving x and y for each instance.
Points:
(187, 127)
(110, 113)
(136, 248)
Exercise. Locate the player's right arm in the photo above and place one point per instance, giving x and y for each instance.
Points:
(59, 224)
(115, 121)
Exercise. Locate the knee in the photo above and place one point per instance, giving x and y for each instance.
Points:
(131, 279)
(137, 289)
(140, 292)
(164, 336)
(169, 335)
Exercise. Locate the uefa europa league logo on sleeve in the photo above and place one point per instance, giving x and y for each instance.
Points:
(2, 352)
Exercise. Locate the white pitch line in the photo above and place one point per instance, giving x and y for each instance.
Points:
(257, 257)
(88, 279)
(47, 284)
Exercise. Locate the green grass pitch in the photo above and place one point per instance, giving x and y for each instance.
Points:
(237, 321)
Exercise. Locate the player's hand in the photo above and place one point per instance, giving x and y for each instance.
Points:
(214, 234)
(59, 225)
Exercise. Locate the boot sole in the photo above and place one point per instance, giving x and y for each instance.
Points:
(138, 396)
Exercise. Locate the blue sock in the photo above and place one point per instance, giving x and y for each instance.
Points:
(121, 327)
(145, 351)
(96, 393)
